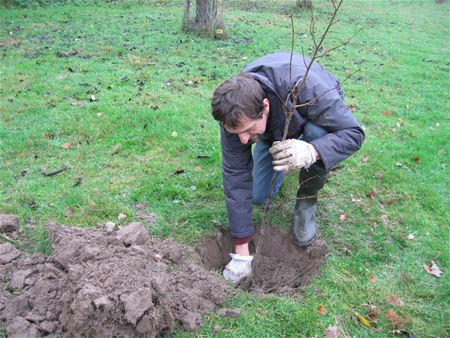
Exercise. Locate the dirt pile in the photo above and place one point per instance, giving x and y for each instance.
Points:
(284, 266)
(105, 283)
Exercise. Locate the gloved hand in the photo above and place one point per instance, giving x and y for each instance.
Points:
(238, 268)
(291, 154)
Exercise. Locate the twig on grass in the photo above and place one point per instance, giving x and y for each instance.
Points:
(56, 172)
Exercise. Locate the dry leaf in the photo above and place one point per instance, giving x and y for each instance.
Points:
(363, 320)
(373, 313)
(411, 237)
(343, 218)
(365, 159)
(395, 300)
(121, 216)
(393, 318)
(331, 332)
(373, 279)
(322, 310)
(387, 113)
(416, 159)
(434, 270)
(378, 175)
(66, 145)
(174, 134)
(372, 194)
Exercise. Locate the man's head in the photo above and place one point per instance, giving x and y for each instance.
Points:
(241, 107)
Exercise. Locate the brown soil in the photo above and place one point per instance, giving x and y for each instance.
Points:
(284, 266)
(104, 284)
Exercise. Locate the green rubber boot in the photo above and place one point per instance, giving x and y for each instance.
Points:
(304, 227)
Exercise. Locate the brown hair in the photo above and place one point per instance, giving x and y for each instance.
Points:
(237, 96)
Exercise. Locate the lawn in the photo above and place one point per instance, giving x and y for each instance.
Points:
(121, 98)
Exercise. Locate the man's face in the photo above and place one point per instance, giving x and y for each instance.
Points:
(250, 129)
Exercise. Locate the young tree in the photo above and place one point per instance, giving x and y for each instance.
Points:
(207, 20)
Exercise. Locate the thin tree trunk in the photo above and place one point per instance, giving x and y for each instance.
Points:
(304, 4)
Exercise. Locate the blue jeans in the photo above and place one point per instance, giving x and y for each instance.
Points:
(263, 169)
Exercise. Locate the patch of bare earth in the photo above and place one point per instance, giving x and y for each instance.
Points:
(284, 267)
(103, 283)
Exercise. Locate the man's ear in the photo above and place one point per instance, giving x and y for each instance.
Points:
(266, 103)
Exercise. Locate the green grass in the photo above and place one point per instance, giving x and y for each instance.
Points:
(150, 81)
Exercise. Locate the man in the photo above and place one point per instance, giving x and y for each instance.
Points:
(250, 110)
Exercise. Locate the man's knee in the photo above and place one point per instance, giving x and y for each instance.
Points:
(312, 131)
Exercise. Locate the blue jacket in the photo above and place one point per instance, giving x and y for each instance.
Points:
(327, 110)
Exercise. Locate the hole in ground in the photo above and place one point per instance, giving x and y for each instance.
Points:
(284, 266)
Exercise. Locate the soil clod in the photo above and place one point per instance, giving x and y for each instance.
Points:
(9, 223)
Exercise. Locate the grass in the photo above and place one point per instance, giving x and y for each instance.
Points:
(151, 118)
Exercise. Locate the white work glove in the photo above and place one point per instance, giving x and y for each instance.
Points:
(292, 154)
(238, 268)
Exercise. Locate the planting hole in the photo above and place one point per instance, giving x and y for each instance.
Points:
(284, 268)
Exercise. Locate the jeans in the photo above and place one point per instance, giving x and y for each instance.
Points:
(263, 169)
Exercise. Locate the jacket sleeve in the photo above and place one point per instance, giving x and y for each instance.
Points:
(328, 110)
(237, 166)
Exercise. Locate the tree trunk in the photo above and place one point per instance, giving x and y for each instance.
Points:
(304, 4)
(207, 19)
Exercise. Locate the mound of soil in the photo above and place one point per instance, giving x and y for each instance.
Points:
(103, 283)
(284, 267)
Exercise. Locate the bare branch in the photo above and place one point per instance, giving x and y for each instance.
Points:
(292, 48)
(342, 44)
(333, 3)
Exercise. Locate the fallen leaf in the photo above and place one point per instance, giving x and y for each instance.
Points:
(372, 194)
(352, 107)
(121, 216)
(363, 320)
(373, 279)
(411, 237)
(331, 332)
(343, 218)
(66, 145)
(393, 318)
(365, 158)
(378, 175)
(373, 313)
(174, 134)
(434, 270)
(395, 300)
(416, 159)
(49, 136)
(115, 149)
(387, 113)
(322, 310)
